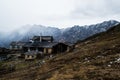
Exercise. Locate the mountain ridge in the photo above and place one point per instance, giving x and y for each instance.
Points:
(71, 34)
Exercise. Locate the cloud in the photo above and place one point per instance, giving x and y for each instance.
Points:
(59, 13)
(95, 8)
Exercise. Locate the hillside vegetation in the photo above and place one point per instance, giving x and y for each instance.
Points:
(96, 58)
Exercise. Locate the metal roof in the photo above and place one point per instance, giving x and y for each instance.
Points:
(17, 43)
(32, 53)
(41, 44)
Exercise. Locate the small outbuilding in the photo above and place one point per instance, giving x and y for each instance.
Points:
(32, 55)
(17, 45)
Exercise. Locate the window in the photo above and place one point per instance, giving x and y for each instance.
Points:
(11, 47)
(20, 47)
(28, 56)
(16, 47)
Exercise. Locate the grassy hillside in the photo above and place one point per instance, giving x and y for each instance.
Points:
(96, 58)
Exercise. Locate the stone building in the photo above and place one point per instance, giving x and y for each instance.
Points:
(41, 44)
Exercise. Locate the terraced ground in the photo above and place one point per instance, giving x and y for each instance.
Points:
(96, 58)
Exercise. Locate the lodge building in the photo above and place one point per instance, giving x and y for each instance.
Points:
(41, 45)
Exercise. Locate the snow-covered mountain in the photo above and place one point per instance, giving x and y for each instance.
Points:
(71, 34)
(77, 32)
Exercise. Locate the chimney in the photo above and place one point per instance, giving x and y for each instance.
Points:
(40, 38)
(31, 41)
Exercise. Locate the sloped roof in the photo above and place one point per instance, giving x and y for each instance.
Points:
(32, 53)
(68, 43)
(17, 43)
(41, 44)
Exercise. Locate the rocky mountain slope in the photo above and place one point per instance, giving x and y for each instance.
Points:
(95, 58)
(77, 32)
(71, 34)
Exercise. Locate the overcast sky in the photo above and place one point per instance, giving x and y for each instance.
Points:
(57, 13)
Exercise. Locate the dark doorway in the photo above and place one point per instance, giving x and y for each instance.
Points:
(25, 49)
(59, 48)
(32, 48)
(41, 49)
